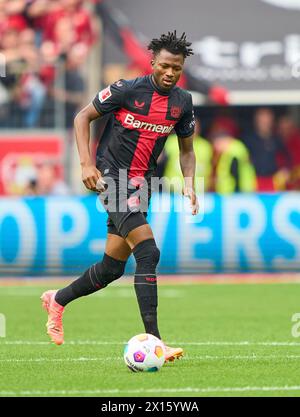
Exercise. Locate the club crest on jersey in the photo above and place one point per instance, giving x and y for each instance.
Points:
(104, 94)
(175, 111)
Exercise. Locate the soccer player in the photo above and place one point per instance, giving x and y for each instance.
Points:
(144, 112)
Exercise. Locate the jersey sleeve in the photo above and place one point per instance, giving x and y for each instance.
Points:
(186, 125)
(110, 98)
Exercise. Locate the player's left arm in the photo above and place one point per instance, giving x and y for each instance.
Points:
(188, 166)
(185, 132)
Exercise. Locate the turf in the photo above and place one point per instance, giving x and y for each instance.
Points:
(231, 334)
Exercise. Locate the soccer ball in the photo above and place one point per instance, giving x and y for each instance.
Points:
(144, 352)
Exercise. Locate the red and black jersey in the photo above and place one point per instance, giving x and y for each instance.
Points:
(143, 117)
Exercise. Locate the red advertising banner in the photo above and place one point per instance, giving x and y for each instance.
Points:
(22, 154)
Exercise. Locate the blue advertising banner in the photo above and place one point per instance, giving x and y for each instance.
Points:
(241, 232)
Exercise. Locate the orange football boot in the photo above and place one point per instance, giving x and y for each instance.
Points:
(55, 311)
(172, 353)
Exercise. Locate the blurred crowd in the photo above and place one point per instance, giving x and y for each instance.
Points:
(264, 158)
(41, 41)
(43, 48)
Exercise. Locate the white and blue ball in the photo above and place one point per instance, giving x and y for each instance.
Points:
(144, 353)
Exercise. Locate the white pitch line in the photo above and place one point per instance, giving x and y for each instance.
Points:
(198, 390)
(242, 343)
(81, 359)
(100, 342)
(243, 357)
(71, 342)
(189, 358)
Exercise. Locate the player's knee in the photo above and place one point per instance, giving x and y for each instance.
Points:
(107, 271)
(155, 255)
(146, 253)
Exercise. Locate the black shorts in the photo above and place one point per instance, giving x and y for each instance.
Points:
(126, 205)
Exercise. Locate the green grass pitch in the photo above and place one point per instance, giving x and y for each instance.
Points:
(237, 341)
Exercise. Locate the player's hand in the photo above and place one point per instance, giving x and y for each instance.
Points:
(190, 193)
(92, 178)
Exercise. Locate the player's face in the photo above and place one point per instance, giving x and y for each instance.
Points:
(167, 69)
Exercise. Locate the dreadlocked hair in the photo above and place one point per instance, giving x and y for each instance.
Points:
(171, 43)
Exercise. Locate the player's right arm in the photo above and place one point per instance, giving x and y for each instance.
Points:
(90, 174)
(106, 101)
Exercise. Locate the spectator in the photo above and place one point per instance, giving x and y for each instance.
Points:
(14, 67)
(36, 12)
(11, 16)
(224, 122)
(72, 84)
(69, 24)
(203, 152)
(264, 146)
(32, 91)
(34, 36)
(233, 171)
(25, 89)
(46, 182)
(290, 134)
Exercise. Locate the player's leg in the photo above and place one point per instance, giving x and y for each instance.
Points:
(143, 246)
(96, 277)
(100, 274)
(146, 253)
(117, 248)
(132, 225)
